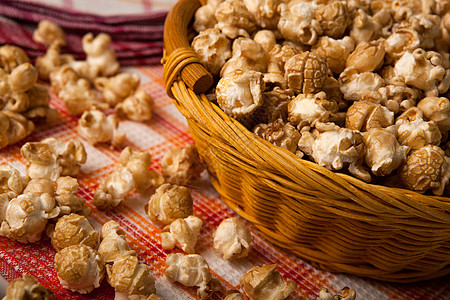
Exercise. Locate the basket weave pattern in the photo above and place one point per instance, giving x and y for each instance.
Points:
(334, 220)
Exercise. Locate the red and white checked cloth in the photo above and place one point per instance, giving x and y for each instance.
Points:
(168, 129)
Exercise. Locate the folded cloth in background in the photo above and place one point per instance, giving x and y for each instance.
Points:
(137, 39)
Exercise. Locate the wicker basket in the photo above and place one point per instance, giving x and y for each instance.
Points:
(335, 221)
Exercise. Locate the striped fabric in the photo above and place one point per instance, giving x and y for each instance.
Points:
(167, 129)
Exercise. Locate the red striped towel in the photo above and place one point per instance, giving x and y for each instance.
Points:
(137, 39)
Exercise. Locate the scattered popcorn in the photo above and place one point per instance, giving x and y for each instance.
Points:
(100, 54)
(48, 33)
(346, 294)
(116, 89)
(181, 165)
(113, 242)
(12, 56)
(137, 107)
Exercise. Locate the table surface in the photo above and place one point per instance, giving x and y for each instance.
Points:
(167, 129)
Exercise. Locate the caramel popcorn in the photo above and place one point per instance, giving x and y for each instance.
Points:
(26, 217)
(234, 296)
(182, 233)
(42, 162)
(306, 73)
(71, 155)
(346, 294)
(367, 57)
(13, 128)
(205, 16)
(116, 89)
(266, 38)
(66, 188)
(27, 287)
(51, 60)
(48, 33)
(11, 180)
(426, 168)
(40, 186)
(355, 85)
(79, 268)
(266, 283)
(170, 202)
(333, 18)
(191, 270)
(61, 76)
(265, 12)
(233, 239)
(365, 115)
(113, 242)
(234, 19)
(78, 97)
(279, 133)
(239, 93)
(12, 56)
(127, 275)
(181, 165)
(213, 47)
(335, 52)
(96, 127)
(100, 54)
(247, 55)
(137, 107)
(307, 109)
(74, 229)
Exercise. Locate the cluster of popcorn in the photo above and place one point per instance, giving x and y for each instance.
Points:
(357, 86)
(89, 87)
(23, 102)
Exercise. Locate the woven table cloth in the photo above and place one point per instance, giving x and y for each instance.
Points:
(168, 129)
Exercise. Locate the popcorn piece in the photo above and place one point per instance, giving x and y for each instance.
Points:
(365, 115)
(401, 40)
(13, 128)
(333, 18)
(66, 188)
(27, 287)
(191, 270)
(366, 28)
(78, 97)
(26, 217)
(51, 60)
(234, 19)
(278, 57)
(79, 268)
(85, 70)
(334, 51)
(42, 163)
(182, 233)
(4, 201)
(181, 165)
(170, 202)
(116, 89)
(275, 106)
(297, 22)
(346, 294)
(265, 12)
(11, 57)
(114, 243)
(305, 73)
(48, 33)
(239, 93)
(436, 109)
(247, 55)
(279, 133)
(114, 188)
(204, 16)
(418, 133)
(426, 168)
(137, 107)
(427, 26)
(74, 229)
(11, 180)
(367, 57)
(266, 38)
(40, 186)
(266, 283)
(100, 54)
(355, 85)
(61, 76)
(139, 297)
(233, 239)
(383, 152)
(307, 109)
(96, 127)
(139, 164)
(127, 275)
(22, 78)
(70, 155)
(421, 69)
(398, 97)
(213, 48)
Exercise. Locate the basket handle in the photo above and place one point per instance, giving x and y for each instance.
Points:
(179, 58)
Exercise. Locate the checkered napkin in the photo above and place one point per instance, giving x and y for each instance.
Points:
(137, 39)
